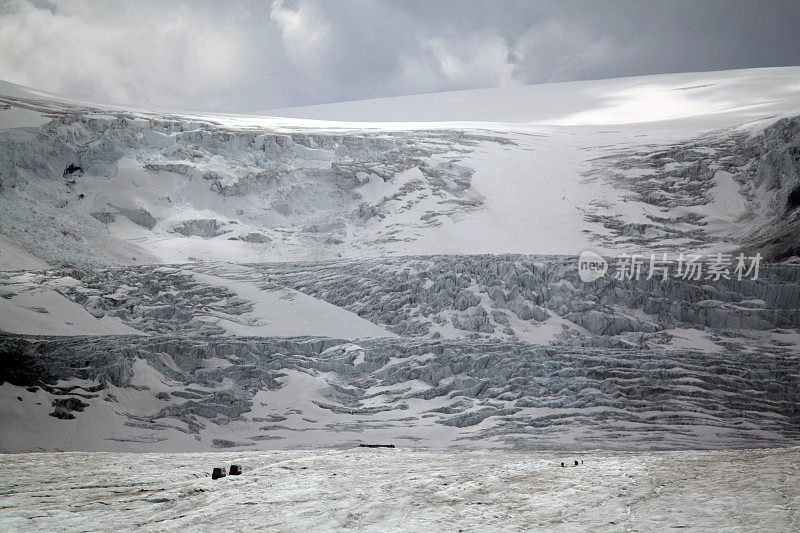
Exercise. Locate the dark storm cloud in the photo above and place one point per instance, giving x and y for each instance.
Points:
(249, 55)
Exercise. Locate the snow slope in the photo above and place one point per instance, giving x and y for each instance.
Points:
(12, 257)
(287, 313)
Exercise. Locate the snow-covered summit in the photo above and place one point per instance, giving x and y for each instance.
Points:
(726, 97)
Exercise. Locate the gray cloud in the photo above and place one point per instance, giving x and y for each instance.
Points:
(247, 55)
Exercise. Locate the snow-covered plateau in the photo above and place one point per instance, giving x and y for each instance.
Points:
(404, 271)
(403, 490)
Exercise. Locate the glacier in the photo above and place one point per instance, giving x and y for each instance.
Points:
(192, 282)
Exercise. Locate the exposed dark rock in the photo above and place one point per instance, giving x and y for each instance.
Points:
(72, 168)
(64, 407)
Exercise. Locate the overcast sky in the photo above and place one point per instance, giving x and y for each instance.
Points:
(256, 55)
